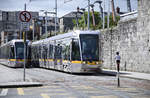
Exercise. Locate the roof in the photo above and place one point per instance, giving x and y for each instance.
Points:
(72, 34)
(72, 14)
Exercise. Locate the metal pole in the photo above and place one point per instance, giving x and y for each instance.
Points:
(93, 17)
(113, 10)
(104, 14)
(46, 23)
(118, 79)
(88, 14)
(128, 5)
(33, 28)
(24, 50)
(55, 15)
(108, 14)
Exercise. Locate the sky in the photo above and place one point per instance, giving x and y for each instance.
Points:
(63, 8)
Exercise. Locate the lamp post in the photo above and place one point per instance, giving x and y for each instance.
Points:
(88, 15)
(77, 16)
(83, 9)
(55, 16)
(102, 14)
(93, 17)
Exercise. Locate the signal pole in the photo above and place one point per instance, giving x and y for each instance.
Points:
(24, 49)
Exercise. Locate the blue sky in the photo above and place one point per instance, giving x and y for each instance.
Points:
(63, 8)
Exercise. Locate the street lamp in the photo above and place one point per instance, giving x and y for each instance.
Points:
(83, 9)
(77, 16)
(102, 14)
(92, 6)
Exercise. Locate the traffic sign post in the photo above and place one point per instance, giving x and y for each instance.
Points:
(25, 17)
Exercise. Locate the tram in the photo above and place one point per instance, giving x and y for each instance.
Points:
(74, 52)
(12, 53)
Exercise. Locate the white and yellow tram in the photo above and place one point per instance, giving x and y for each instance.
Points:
(12, 53)
(75, 52)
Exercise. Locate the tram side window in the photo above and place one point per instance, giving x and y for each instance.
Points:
(75, 50)
(44, 53)
(58, 51)
(50, 51)
(66, 52)
(39, 52)
(12, 54)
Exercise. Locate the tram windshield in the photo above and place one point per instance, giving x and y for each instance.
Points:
(90, 47)
(19, 50)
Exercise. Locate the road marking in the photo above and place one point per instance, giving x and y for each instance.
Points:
(106, 96)
(20, 91)
(45, 96)
(4, 92)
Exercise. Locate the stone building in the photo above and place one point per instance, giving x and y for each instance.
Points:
(66, 21)
(11, 26)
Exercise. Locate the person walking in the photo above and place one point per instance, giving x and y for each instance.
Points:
(118, 58)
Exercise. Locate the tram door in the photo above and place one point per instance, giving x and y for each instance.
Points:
(44, 55)
(11, 55)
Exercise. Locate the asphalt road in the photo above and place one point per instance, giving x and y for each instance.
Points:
(64, 85)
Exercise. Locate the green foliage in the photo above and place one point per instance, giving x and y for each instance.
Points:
(98, 21)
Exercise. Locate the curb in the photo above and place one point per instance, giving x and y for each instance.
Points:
(20, 84)
(122, 74)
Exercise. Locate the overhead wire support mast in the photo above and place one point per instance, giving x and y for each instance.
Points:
(88, 15)
(55, 16)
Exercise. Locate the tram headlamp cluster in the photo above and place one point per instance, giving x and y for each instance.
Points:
(84, 62)
(97, 62)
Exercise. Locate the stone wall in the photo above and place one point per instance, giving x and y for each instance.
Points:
(132, 39)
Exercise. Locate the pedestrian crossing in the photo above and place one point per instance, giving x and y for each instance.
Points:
(69, 91)
(4, 92)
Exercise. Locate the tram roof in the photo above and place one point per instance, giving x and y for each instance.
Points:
(72, 34)
(13, 41)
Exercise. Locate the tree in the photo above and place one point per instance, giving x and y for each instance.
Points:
(98, 21)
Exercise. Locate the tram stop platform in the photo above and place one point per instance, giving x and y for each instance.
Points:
(134, 75)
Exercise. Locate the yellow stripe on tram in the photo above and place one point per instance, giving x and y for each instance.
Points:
(20, 60)
(78, 62)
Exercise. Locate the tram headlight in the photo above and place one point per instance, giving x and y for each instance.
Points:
(84, 62)
(97, 62)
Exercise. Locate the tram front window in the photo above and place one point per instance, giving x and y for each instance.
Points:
(19, 50)
(90, 47)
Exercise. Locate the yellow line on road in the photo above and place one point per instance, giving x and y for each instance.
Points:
(20, 91)
(45, 96)
(106, 96)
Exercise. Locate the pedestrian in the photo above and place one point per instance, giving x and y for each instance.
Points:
(118, 58)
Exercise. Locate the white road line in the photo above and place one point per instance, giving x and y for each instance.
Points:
(4, 92)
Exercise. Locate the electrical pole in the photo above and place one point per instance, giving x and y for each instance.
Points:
(88, 14)
(93, 17)
(113, 11)
(104, 14)
(55, 16)
(108, 14)
(129, 5)
(46, 24)
(24, 34)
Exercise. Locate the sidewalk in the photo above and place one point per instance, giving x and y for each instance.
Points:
(11, 78)
(135, 75)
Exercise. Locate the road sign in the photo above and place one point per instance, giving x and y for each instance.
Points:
(25, 16)
(25, 26)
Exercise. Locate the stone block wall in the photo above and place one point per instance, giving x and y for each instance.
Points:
(132, 39)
